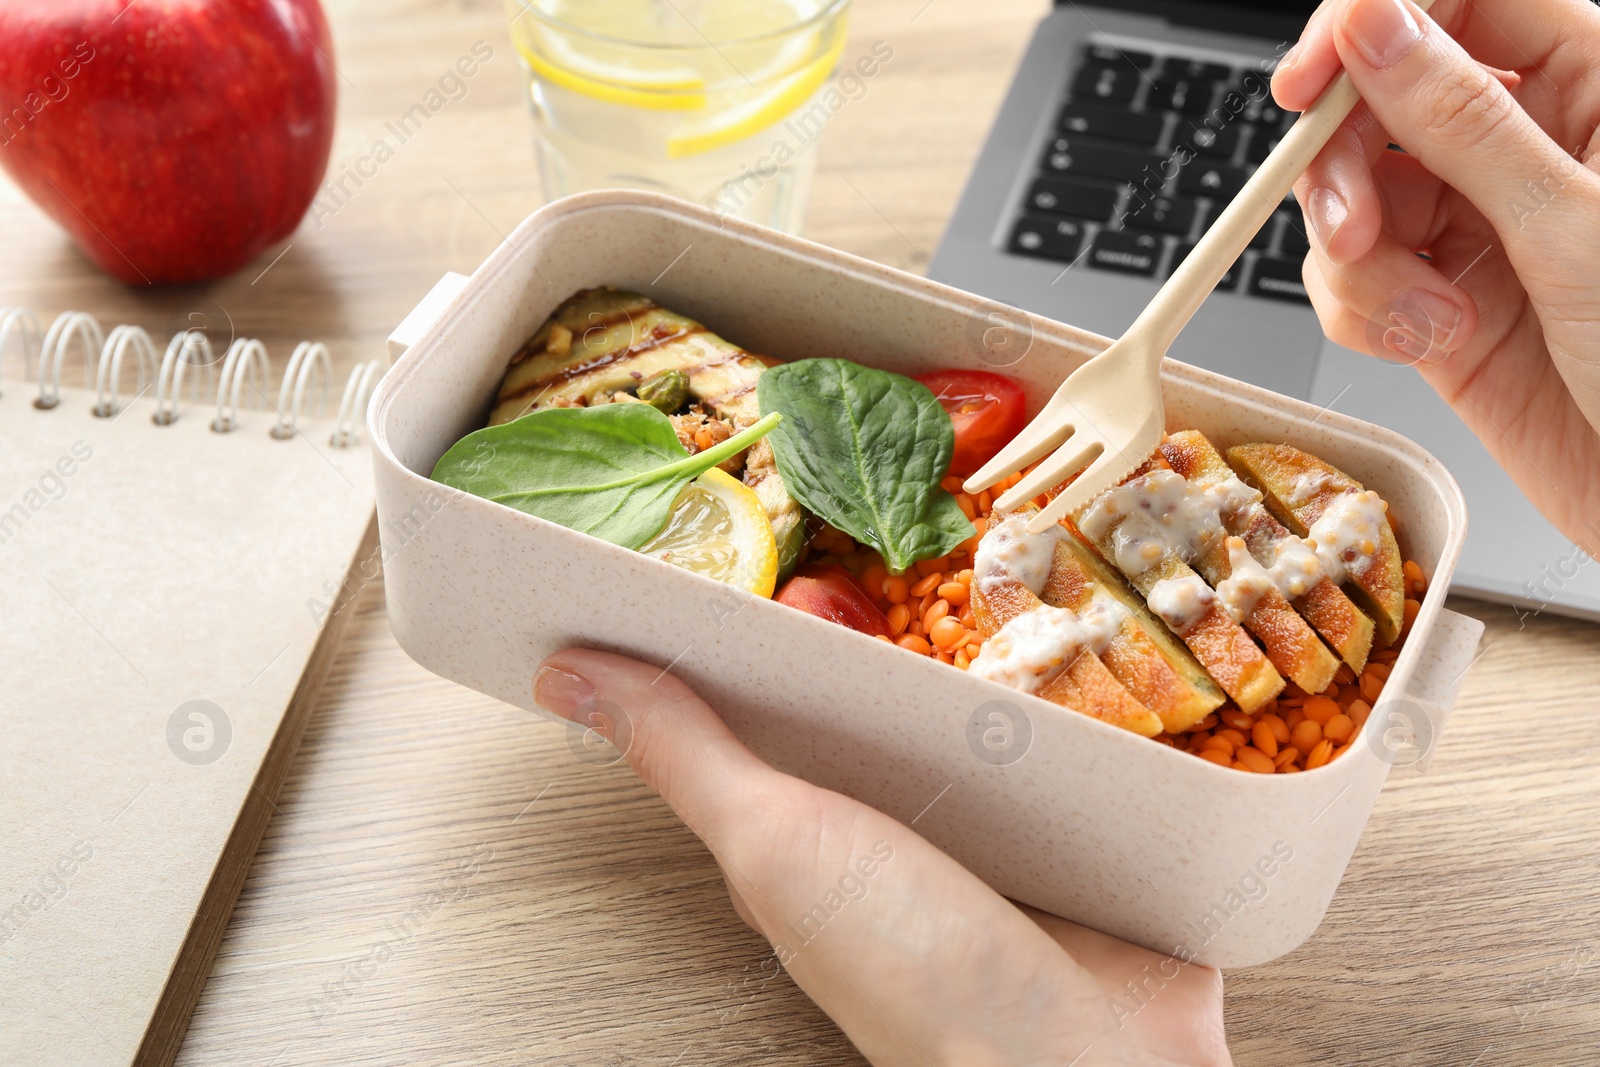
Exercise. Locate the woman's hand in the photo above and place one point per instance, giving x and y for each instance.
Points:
(917, 960)
(1496, 104)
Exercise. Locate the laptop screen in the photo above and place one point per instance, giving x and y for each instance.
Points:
(1269, 16)
(1303, 8)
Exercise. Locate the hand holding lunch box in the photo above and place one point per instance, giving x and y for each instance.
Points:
(482, 592)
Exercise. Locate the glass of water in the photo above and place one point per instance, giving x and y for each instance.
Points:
(719, 102)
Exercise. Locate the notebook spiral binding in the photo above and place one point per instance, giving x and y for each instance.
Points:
(244, 372)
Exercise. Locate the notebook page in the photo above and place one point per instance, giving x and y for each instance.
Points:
(163, 588)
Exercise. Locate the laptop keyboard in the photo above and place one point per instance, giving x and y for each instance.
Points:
(1147, 150)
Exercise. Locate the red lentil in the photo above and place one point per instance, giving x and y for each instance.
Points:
(1279, 728)
(946, 633)
(1306, 736)
(1358, 712)
(1339, 729)
(914, 643)
(872, 579)
(1236, 719)
(899, 617)
(1255, 760)
(1232, 735)
(1319, 709)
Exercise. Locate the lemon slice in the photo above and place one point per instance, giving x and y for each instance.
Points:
(719, 529)
(755, 113)
(664, 89)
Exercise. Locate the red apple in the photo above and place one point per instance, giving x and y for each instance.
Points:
(173, 139)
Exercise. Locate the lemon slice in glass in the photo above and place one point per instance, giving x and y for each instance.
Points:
(754, 113)
(664, 88)
(719, 529)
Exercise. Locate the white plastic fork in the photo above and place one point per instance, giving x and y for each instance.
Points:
(1108, 417)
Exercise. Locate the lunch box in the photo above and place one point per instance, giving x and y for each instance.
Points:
(1048, 806)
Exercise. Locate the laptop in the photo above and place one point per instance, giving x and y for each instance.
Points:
(1129, 124)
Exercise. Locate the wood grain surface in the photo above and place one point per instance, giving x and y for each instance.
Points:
(445, 883)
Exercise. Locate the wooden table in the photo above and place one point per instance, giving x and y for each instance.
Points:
(594, 929)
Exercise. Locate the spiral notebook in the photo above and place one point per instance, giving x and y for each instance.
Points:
(175, 562)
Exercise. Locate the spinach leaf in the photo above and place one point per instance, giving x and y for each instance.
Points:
(612, 471)
(865, 450)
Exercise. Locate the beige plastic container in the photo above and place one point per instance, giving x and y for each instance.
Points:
(1070, 815)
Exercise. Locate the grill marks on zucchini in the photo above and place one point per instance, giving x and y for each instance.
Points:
(605, 341)
(615, 340)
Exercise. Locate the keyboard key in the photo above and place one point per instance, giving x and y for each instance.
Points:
(1127, 253)
(1057, 239)
(1191, 96)
(1263, 112)
(1278, 279)
(1210, 142)
(1230, 280)
(1109, 84)
(1294, 243)
(1168, 214)
(1109, 55)
(1072, 154)
(1262, 141)
(1271, 116)
(1255, 85)
(1055, 196)
(1178, 67)
(1217, 180)
(1134, 127)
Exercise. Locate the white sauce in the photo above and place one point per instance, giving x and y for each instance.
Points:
(1037, 645)
(1247, 581)
(1233, 497)
(1101, 620)
(1347, 535)
(1008, 552)
(1307, 486)
(1291, 567)
(1137, 545)
(1178, 515)
(1180, 602)
(1289, 562)
(1295, 567)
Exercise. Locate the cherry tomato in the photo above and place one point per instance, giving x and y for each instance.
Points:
(986, 409)
(831, 592)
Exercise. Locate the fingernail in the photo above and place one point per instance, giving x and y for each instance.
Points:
(1408, 346)
(1287, 60)
(561, 692)
(1383, 31)
(1424, 324)
(1327, 212)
